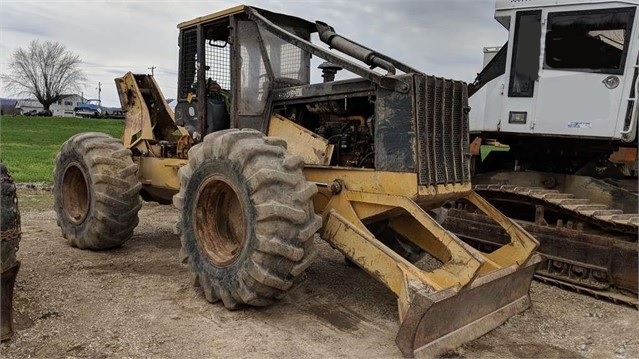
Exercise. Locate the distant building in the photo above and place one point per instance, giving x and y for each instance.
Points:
(25, 106)
(63, 107)
(8, 107)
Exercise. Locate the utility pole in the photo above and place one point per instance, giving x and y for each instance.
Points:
(152, 68)
(99, 91)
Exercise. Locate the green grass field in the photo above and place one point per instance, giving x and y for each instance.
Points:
(28, 145)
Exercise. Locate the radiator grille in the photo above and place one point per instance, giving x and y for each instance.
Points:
(442, 131)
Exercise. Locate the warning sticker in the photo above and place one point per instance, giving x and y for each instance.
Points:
(579, 125)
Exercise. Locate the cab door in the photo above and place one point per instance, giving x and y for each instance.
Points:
(582, 77)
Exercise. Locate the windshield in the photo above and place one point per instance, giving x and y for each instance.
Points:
(594, 41)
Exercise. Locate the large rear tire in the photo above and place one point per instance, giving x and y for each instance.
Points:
(247, 221)
(95, 191)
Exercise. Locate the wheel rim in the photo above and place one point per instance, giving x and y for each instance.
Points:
(75, 194)
(219, 221)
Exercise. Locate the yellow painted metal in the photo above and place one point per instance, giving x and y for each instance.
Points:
(138, 122)
(522, 245)
(461, 267)
(394, 183)
(159, 172)
(145, 127)
(349, 198)
(468, 294)
(345, 231)
(214, 16)
(314, 149)
(140, 119)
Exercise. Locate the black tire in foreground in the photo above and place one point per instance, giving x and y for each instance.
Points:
(95, 191)
(247, 221)
(11, 235)
(9, 221)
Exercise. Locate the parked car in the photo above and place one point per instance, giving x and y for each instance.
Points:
(92, 108)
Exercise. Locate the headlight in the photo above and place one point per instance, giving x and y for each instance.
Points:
(517, 117)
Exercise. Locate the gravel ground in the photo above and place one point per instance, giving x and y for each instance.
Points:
(137, 301)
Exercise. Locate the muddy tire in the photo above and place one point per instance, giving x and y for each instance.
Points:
(246, 217)
(11, 234)
(95, 191)
(9, 221)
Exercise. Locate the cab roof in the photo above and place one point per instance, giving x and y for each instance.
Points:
(273, 16)
(523, 4)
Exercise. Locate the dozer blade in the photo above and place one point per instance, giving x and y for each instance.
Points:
(469, 294)
(441, 321)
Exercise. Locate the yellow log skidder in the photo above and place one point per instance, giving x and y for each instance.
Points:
(258, 160)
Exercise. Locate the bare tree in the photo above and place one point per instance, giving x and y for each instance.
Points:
(45, 70)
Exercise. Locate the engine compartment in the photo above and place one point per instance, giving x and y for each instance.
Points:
(348, 124)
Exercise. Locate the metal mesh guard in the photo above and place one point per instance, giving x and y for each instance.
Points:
(442, 124)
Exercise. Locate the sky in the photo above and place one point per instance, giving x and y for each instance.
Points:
(438, 37)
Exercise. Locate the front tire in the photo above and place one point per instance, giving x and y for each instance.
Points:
(247, 221)
(95, 191)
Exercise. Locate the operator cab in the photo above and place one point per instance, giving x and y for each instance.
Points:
(208, 74)
(567, 71)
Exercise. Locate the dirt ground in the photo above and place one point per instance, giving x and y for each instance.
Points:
(137, 301)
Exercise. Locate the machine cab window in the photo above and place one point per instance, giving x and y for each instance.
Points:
(213, 93)
(216, 58)
(204, 93)
(525, 58)
(591, 41)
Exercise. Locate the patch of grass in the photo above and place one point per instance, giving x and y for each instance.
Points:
(28, 145)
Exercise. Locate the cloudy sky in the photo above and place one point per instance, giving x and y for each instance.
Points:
(440, 37)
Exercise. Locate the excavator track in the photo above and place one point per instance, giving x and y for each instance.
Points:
(589, 247)
(581, 209)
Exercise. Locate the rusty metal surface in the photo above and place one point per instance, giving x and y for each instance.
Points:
(442, 134)
(620, 195)
(148, 116)
(615, 297)
(469, 294)
(580, 209)
(602, 265)
(441, 321)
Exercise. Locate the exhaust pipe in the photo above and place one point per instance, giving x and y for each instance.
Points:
(328, 35)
